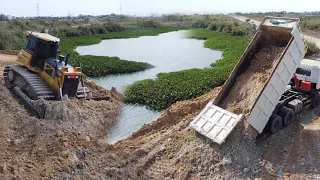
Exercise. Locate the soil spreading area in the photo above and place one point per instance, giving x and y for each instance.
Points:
(69, 144)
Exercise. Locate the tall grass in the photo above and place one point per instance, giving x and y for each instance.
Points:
(168, 88)
(312, 49)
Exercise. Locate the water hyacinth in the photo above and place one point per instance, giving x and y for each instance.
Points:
(170, 87)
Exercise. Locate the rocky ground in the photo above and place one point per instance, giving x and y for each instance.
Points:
(69, 144)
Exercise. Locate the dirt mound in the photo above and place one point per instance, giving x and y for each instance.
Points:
(83, 115)
(54, 147)
(242, 95)
(168, 148)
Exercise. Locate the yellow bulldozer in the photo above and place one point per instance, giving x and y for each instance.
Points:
(43, 73)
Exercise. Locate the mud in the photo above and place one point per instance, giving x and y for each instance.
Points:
(249, 84)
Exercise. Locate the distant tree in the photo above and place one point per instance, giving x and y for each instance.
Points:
(3, 17)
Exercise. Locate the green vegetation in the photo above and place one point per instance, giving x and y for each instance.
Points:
(221, 23)
(149, 24)
(86, 30)
(3, 17)
(312, 49)
(95, 66)
(13, 33)
(168, 88)
(232, 27)
(308, 22)
(76, 33)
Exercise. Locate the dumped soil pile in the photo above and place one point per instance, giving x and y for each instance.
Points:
(83, 115)
(250, 83)
(168, 148)
(53, 147)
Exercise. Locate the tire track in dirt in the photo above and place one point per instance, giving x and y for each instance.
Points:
(294, 152)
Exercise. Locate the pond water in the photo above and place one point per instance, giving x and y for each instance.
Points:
(168, 52)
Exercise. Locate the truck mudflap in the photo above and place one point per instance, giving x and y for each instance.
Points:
(215, 122)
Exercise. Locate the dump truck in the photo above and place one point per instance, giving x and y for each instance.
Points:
(285, 90)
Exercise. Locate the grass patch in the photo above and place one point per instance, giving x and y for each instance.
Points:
(312, 49)
(96, 66)
(168, 88)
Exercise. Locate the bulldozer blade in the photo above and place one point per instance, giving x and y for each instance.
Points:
(28, 102)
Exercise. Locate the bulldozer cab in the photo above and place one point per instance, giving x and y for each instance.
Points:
(42, 47)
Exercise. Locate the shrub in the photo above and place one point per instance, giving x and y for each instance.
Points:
(232, 27)
(3, 17)
(312, 49)
(148, 24)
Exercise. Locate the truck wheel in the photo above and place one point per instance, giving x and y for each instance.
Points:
(287, 115)
(315, 101)
(275, 123)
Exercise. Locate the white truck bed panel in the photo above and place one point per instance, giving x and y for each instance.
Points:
(215, 123)
(271, 94)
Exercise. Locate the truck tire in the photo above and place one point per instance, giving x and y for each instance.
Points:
(287, 115)
(275, 123)
(315, 101)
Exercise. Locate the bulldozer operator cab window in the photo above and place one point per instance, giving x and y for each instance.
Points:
(41, 50)
(31, 45)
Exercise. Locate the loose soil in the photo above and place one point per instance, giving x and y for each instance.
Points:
(249, 84)
(69, 144)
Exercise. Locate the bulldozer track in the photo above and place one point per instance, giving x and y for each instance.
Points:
(39, 88)
(38, 85)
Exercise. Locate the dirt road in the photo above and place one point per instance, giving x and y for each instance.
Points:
(257, 23)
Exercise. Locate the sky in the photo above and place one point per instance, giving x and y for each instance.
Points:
(28, 8)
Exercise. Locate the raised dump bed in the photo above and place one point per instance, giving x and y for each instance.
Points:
(257, 82)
